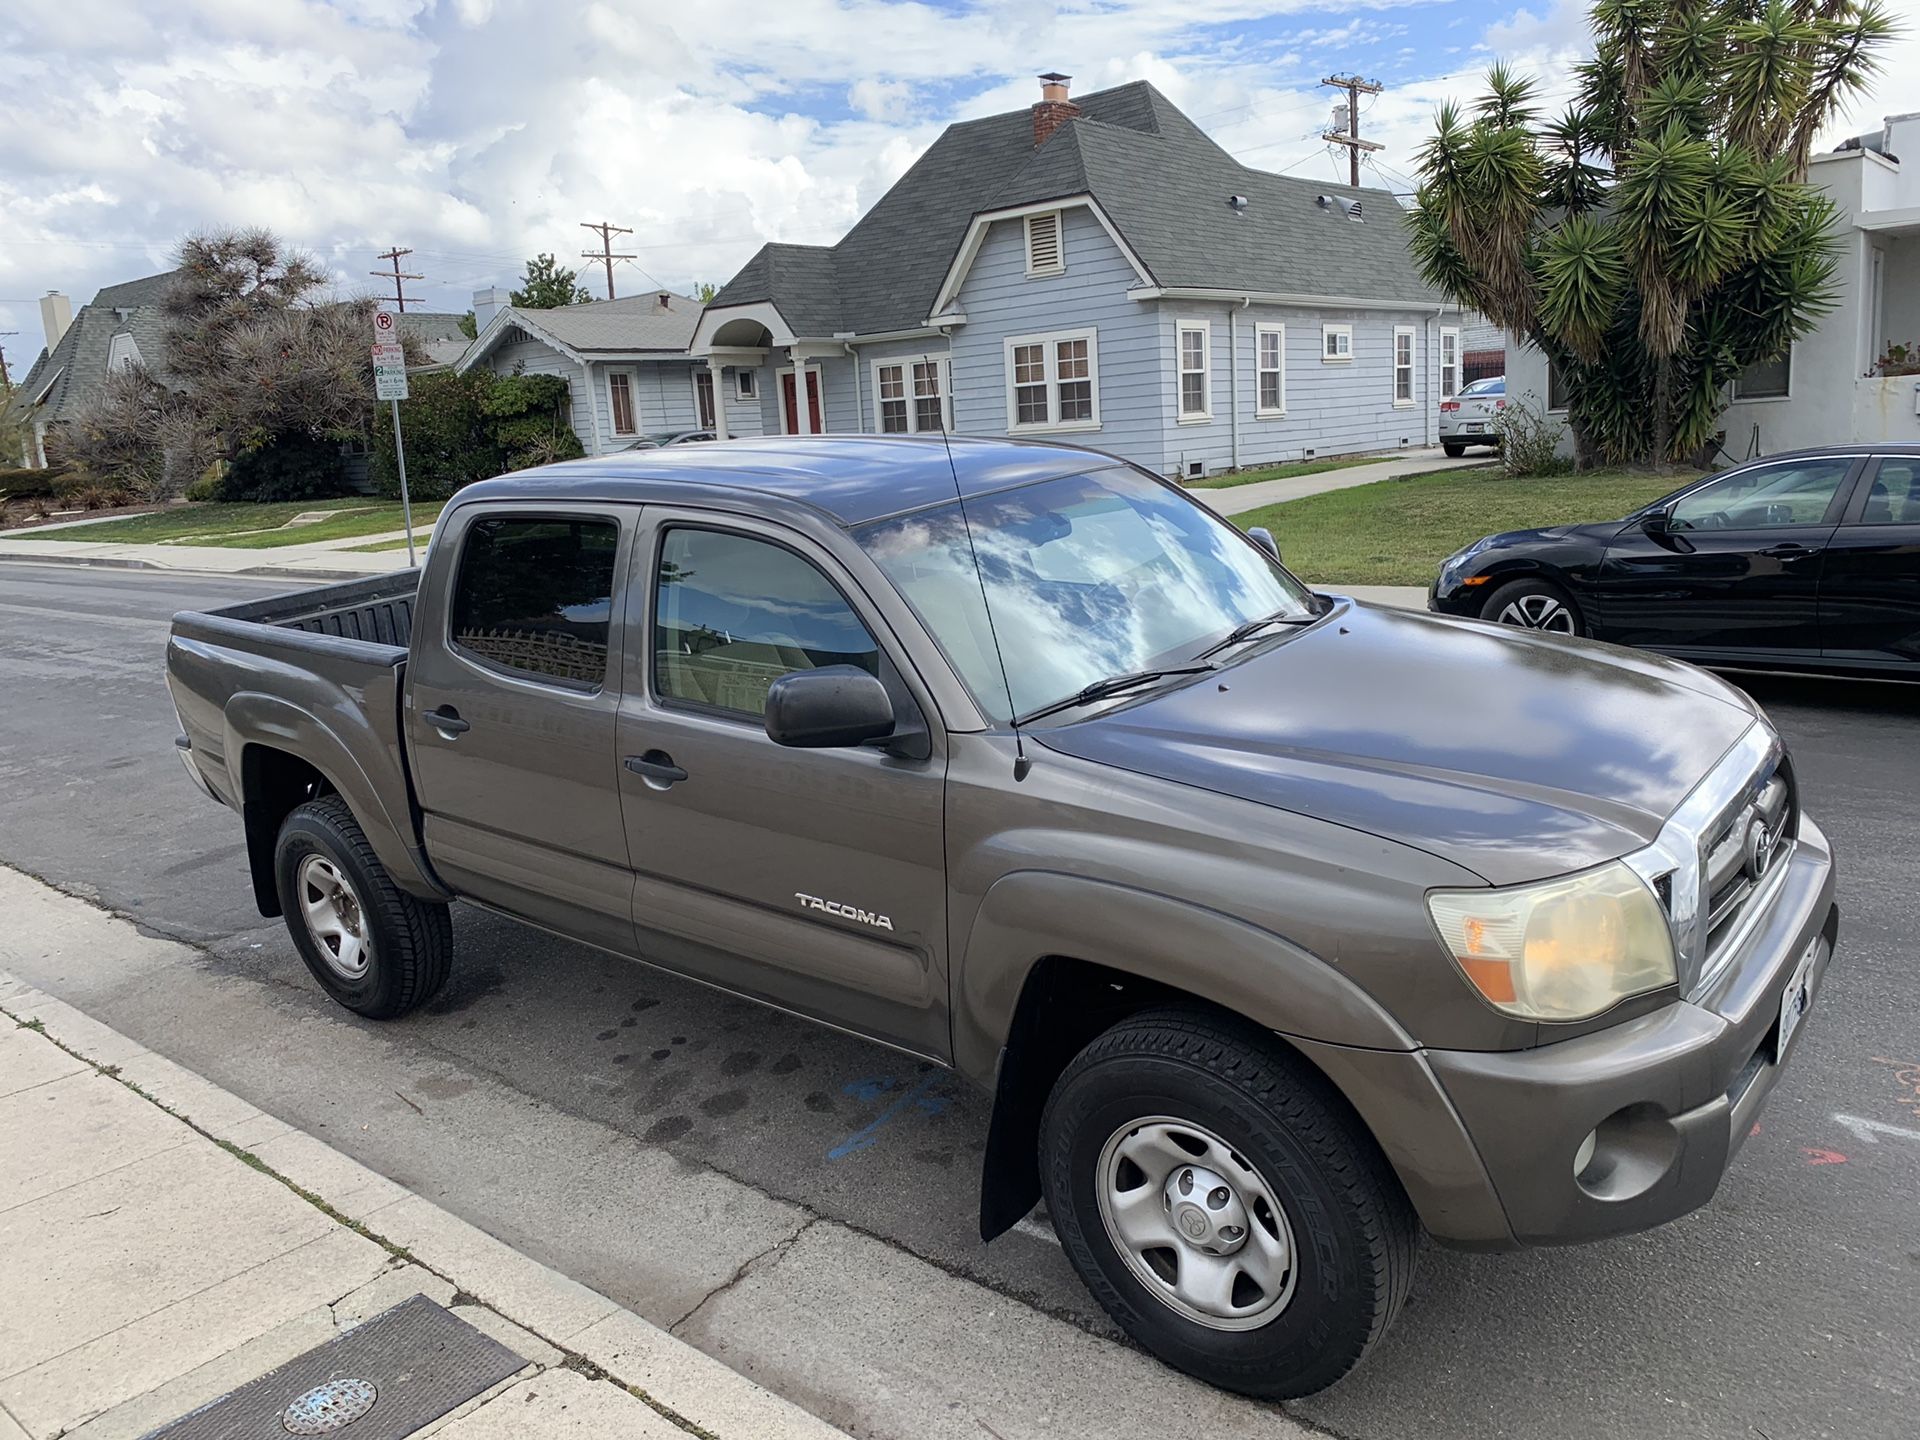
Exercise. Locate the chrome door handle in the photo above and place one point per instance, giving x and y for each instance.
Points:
(448, 722)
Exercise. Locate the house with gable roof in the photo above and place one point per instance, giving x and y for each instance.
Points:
(1098, 271)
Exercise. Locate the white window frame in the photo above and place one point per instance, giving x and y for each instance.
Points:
(1260, 331)
(906, 364)
(633, 403)
(1411, 368)
(123, 352)
(1059, 265)
(1049, 341)
(1449, 385)
(1336, 355)
(1182, 329)
(1734, 397)
(719, 396)
(746, 383)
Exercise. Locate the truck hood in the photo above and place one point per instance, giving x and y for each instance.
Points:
(1511, 753)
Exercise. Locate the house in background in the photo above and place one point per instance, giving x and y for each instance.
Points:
(1826, 391)
(121, 327)
(439, 334)
(626, 361)
(1097, 271)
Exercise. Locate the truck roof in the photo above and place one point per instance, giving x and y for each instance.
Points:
(852, 478)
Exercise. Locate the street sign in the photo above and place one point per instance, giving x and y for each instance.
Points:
(389, 384)
(386, 328)
(389, 355)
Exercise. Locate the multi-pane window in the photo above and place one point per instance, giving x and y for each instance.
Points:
(535, 596)
(732, 614)
(745, 385)
(909, 396)
(1270, 368)
(1053, 380)
(1449, 364)
(620, 401)
(1403, 365)
(1196, 400)
(1336, 342)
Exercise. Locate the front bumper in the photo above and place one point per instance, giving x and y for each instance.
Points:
(1485, 1142)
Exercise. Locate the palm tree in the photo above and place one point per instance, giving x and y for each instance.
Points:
(1660, 236)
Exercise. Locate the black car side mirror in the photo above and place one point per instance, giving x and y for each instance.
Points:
(1263, 537)
(1656, 522)
(832, 708)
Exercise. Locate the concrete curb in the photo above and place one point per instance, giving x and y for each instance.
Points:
(574, 1326)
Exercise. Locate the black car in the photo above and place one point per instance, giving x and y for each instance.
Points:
(1804, 561)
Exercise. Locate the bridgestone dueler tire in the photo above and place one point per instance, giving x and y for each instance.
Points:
(412, 939)
(1354, 1231)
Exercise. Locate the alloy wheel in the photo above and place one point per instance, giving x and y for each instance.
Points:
(1538, 612)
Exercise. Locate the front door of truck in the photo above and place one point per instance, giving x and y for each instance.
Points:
(814, 879)
(511, 711)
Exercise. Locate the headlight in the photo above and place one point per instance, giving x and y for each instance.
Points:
(1562, 949)
(1458, 560)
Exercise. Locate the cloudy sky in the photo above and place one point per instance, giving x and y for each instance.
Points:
(480, 131)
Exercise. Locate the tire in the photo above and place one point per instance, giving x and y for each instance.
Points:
(1535, 605)
(1286, 1141)
(389, 952)
(1453, 452)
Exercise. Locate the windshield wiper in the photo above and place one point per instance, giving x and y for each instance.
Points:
(1248, 629)
(1112, 685)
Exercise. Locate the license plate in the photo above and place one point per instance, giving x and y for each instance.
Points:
(1474, 427)
(1798, 996)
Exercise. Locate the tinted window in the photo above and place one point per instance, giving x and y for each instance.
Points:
(733, 614)
(1894, 496)
(535, 596)
(1763, 497)
(1496, 385)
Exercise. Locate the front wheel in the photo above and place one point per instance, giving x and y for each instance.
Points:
(1224, 1205)
(374, 948)
(1535, 605)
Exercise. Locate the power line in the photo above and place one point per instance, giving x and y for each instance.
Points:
(398, 276)
(1355, 88)
(606, 256)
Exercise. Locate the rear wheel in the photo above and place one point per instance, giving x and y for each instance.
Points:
(1224, 1205)
(374, 948)
(1454, 452)
(1535, 605)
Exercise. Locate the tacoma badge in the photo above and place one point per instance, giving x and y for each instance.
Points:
(845, 912)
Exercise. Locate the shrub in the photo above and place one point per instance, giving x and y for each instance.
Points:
(462, 428)
(83, 490)
(292, 467)
(25, 484)
(1529, 441)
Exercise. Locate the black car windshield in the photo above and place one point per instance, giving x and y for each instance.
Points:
(1089, 576)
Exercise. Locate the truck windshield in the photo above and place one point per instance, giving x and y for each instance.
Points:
(1089, 576)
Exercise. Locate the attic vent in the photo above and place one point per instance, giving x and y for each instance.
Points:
(1237, 202)
(1353, 210)
(1043, 244)
(1323, 201)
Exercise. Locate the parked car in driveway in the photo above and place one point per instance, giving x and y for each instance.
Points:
(1275, 925)
(658, 438)
(1467, 418)
(1807, 561)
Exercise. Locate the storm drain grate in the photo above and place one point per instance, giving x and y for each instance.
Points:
(381, 1380)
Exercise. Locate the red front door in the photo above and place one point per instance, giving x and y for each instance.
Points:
(793, 408)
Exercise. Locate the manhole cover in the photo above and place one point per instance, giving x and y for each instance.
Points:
(329, 1407)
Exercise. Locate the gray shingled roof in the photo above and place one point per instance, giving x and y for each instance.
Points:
(77, 365)
(1157, 175)
(634, 322)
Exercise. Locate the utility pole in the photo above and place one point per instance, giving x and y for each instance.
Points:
(605, 254)
(1355, 88)
(398, 276)
(6, 380)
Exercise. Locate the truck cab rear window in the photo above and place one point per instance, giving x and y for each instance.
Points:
(535, 597)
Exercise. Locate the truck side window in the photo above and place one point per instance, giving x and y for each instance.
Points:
(734, 614)
(534, 596)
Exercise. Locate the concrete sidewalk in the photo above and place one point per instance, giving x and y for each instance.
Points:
(316, 561)
(1238, 499)
(163, 1243)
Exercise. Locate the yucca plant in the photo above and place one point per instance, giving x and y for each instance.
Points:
(1660, 236)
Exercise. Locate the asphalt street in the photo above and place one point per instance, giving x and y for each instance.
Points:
(1789, 1307)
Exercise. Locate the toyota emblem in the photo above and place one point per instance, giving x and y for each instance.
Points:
(1759, 849)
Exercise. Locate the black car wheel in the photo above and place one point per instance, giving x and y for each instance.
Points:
(1454, 452)
(1224, 1205)
(1535, 605)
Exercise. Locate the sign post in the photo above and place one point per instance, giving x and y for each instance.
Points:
(390, 384)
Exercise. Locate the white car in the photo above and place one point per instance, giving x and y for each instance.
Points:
(1467, 419)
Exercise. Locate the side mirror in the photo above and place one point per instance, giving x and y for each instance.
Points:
(1263, 537)
(832, 708)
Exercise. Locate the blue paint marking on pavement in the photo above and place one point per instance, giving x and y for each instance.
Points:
(915, 1098)
(868, 1090)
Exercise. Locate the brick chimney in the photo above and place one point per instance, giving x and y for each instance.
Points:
(1054, 109)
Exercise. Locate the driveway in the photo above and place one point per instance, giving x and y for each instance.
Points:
(1238, 499)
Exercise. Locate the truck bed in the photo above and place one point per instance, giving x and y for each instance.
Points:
(378, 610)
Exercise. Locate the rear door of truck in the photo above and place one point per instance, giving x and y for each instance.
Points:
(512, 708)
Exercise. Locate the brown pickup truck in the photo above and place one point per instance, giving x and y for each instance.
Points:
(1278, 926)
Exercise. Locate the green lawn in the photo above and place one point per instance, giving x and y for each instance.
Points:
(1396, 532)
(1285, 472)
(420, 532)
(246, 527)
